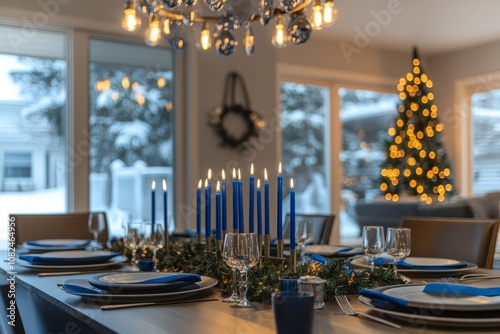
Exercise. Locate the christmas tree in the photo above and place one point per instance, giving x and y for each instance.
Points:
(416, 162)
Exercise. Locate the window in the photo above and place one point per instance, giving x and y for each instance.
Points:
(33, 114)
(131, 132)
(485, 114)
(364, 115)
(17, 165)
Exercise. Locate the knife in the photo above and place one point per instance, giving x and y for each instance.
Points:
(120, 306)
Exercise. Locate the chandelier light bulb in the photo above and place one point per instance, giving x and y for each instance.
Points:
(130, 21)
(330, 13)
(317, 15)
(152, 35)
(280, 37)
(205, 37)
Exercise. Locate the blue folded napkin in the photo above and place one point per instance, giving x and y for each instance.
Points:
(318, 258)
(460, 289)
(47, 260)
(82, 286)
(380, 260)
(382, 298)
(41, 243)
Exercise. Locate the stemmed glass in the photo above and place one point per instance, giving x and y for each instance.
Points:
(373, 242)
(229, 240)
(154, 239)
(303, 235)
(96, 225)
(133, 240)
(398, 243)
(243, 250)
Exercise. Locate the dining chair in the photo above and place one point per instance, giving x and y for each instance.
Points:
(471, 239)
(55, 226)
(321, 226)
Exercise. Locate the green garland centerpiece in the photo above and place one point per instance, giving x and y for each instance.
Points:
(185, 255)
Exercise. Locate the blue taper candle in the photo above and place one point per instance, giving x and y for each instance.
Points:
(208, 213)
(165, 206)
(251, 201)
(153, 202)
(292, 215)
(235, 201)
(241, 226)
(218, 218)
(267, 225)
(224, 201)
(259, 208)
(198, 209)
(280, 205)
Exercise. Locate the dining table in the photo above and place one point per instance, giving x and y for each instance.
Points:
(45, 308)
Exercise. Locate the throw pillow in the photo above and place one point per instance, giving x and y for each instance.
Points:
(494, 203)
(479, 206)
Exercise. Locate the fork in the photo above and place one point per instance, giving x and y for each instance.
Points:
(347, 308)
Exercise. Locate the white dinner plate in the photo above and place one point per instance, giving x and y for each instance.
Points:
(431, 261)
(112, 262)
(415, 295)
(360, 263)
(204, 284)
(56, 244)
(421, 318)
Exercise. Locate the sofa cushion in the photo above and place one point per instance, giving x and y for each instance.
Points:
(446, 210)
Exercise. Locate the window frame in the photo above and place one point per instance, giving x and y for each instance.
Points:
(333, 80)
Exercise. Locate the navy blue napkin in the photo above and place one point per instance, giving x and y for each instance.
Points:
(380, 297)
(460, 289)
(47, 260)
(41, 243)
(318, 258)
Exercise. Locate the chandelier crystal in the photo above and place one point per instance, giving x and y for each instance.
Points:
(168, 20)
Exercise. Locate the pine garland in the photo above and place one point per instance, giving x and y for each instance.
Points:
(184, 255)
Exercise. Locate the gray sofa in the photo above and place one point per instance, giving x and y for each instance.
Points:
(388, 213)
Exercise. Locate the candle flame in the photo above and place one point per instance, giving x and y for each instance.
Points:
(258, 183)
(199, 184)
(279, 168)
(164, 184)
(251, 169)
(153, 185)
(234, 173)
(291, 183)
(223, 175)
(265, 174)
(206, 183)
(239, 174)
(210, 173)
(218, 186)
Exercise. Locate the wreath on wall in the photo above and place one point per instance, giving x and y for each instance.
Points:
(224, 119)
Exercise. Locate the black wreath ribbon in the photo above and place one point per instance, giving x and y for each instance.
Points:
(253, 121)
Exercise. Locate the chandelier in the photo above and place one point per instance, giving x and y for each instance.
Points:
(168, 20)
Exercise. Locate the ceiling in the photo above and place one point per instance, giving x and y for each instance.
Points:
(434, 26)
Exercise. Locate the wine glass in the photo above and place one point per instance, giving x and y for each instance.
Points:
(154, 239)
(96, 225)
(303, 236)
(229, 240)
(398, 243)
(244, 252)
(133, 241)
(373, 242)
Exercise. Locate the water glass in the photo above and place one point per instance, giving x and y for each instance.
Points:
(96, 225)
(373, 242)
(229, 239)
(154, 239)
(398, 243)
(133, 240)
(303, 236)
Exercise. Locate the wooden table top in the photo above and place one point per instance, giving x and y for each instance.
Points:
(211, 317)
